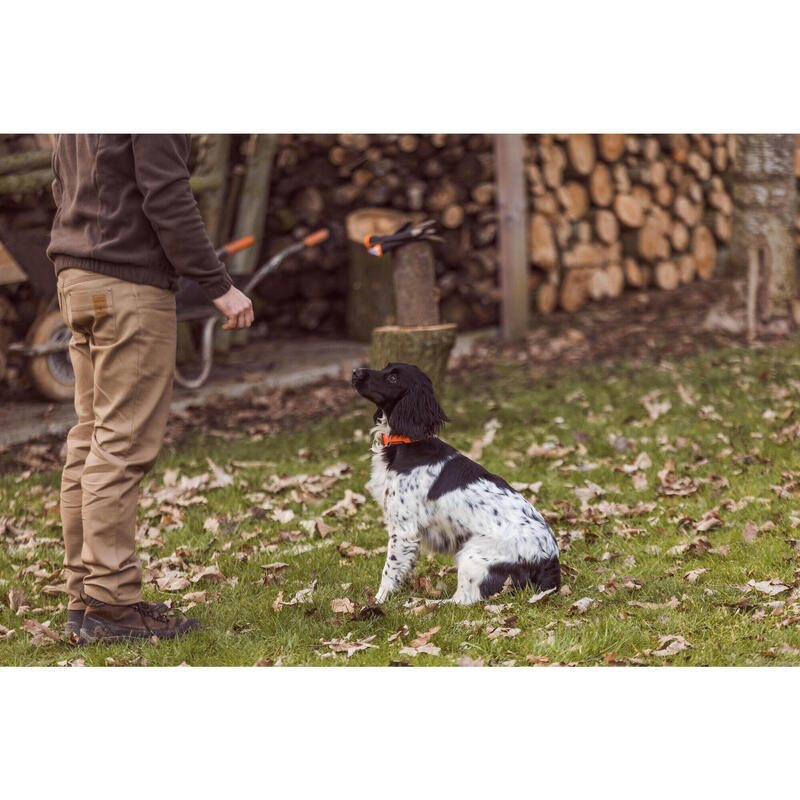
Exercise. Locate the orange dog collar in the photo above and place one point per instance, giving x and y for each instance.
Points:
(387, 440)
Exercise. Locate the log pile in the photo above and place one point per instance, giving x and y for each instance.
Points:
(611, 211)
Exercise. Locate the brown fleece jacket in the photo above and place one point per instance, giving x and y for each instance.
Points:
(124, 208)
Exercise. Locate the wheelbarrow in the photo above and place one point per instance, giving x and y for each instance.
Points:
(47, 342)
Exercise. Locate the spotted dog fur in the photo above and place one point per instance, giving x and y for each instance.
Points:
(433, 496)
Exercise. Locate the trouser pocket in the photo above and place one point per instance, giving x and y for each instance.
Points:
(92, 313)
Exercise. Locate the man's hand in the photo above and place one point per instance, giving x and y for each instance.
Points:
(237, 308)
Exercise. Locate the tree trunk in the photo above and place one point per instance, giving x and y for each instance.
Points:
(512, 213)
(764, 212)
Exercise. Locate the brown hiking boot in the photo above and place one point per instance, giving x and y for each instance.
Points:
(106, 623)
(75, 619)
(74, 622)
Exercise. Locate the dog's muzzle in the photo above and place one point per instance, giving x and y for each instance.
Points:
(359, 377)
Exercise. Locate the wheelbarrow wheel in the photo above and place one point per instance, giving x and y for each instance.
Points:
(52, 374)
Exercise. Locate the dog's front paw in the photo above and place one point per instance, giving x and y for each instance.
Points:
(383, 593)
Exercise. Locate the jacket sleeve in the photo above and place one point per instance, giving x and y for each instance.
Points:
(162, 174)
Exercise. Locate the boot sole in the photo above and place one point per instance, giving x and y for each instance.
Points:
(119, 633)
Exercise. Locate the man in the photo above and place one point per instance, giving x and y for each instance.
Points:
(126, 226)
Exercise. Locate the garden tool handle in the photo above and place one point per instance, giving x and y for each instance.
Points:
(235, 246)
(318, 237)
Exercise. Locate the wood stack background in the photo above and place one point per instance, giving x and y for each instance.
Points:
(608, 212)
(611, 211)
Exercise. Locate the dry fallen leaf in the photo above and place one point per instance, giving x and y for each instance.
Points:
(581, 606)
(274, 567)
(342, 605)
(430, 649)
(347, 646)
(693, 574)
(402, 632)
(317, 525)
(6, 633)
(711, 519)
(466, 661)
(422, 638)
(221, 478)
(212, 525)
(770, 587)
(303, 596)
(172, 581)
(548, 450)
(210, 573)
(41, 634)
(17, 601)
(283, 515)
(750, 531)
(671, 645)
(586, 493)
(538, 661)
(505, 633)
(654, 408)
(537, 597)
(347, 506)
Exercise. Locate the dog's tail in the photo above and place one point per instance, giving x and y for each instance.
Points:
(547, 574)
(542, 575)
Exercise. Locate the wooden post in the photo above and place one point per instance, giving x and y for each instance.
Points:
(370, 284)
(415, 285)
(214, 161)
(512, 213)
(211, 202)
(254, 200)
(252, 214)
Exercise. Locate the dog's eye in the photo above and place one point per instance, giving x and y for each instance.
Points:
(391, 378)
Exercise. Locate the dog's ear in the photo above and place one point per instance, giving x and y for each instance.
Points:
(417, 414)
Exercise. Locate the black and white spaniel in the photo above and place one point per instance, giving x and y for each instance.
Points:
(436, 497)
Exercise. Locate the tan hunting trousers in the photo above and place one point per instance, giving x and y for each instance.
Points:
(123, 354)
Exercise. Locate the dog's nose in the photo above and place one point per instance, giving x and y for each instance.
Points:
(359, 375)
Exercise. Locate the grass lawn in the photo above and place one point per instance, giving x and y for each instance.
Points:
(673, 489)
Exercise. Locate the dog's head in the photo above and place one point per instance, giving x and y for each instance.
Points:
(404, 394)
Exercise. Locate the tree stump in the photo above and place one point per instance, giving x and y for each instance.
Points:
(393, 299)
(426, 346)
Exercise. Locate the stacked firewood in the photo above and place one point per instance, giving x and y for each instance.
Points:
(607, 212)
(611, 211)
